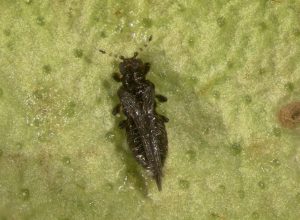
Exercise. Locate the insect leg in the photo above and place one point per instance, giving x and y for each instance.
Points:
(147, 67)
(161, 98)
(164, 118)
(117, 77)
(116, 109)
(122, 124)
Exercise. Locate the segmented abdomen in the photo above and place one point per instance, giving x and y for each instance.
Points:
(157, 137)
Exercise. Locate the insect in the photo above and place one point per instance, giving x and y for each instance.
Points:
(145, 128)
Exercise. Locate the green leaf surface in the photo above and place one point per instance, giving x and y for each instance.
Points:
(228, 68)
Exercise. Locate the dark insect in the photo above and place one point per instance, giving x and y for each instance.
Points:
(145, 129)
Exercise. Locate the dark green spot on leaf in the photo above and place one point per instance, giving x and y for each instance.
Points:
(222, 188)
(277, 132)
(109, 136)
(262, 71)
(230, 64)
(298, 197)
(24, 193)
(262, 26)
(7, 32)
(255, 215)
(40, 94)
(28, 2)
(289, 87)
(191, 42)
(36, 122)
(221, 21)
(109, 186)
(103, 34)
(40, 21)
(10, 45)
(87, 59)
(236, 148)
(241, 194)
(275, 162)
(78, 53)
(66, 160)
(19, 146)
(216, 94)
(247, 99)
(181, 7)
(184, 184)
(98, 100)
(297, 33)
(147, 22)
(44, 136)
(261, 185)
(106, 84)
(215, 215)
(70, 109)
(191, 154)
(47, 69)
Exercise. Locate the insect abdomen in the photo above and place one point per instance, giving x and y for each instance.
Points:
(156, 139)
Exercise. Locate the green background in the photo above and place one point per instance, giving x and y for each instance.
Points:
(227, 67)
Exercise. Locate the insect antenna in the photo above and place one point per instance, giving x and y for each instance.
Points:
(112, 54)
(147, 44)
(122, 57)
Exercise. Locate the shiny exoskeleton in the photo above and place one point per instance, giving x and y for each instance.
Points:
(145, 128)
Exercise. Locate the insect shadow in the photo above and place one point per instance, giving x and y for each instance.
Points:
(132, 172)
(202, 117)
